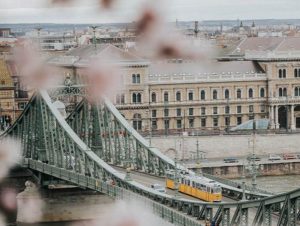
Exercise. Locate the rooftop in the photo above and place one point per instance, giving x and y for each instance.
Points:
(267, 44)
(81, 56)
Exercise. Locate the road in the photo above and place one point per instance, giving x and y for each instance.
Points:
(241, 161)
(147, 180)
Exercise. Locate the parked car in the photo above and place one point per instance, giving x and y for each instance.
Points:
(273, 157)
(288, 156)
(253, 157)
(158, 187)
(230, 160)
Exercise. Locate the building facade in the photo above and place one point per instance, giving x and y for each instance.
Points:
(7, 96)
(178, 96)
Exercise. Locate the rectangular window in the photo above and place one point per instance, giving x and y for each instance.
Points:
(153, 113)
(239, 109)
(250, 108)
(167, 124)
(227, 121)
(215, 122)
(262, 108)
(203, 122)
(239, 120)
(203, 111)
(154, 124)
(191, 111)
(179, 124)
(215, 110)
(178, 111)
(191, 123)
(191, 95)
(227, 110)
(251, 117)
(166, 112)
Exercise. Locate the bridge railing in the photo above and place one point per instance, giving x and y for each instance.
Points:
(236, 184)
(118, 193)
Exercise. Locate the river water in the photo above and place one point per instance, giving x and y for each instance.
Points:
(276, 184)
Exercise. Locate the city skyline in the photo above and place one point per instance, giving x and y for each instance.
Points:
(41, 11)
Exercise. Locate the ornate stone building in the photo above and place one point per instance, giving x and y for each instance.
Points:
(259, 79)
(7, 96)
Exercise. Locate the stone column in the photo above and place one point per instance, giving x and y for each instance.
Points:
(276, 117)
(293, 126)
(271, 117)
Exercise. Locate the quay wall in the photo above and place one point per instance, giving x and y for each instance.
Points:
(220, 146)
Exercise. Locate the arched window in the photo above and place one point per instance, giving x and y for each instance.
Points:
(250, 93)
(134, 98)
(226, 94)
(280, 73)
(118, 99)
(284, 92)
(137, 121)
(239, 94)
(133, 78)
(122, 98)
(215, 94)
(178, 96)
(284, 73)
(295, 72)
(138, 78)
(262, 92)
(202, 94)
(139, 98)
(166, 97)
(153, 97)
(280, 92)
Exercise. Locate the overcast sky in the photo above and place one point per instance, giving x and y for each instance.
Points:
(86, 11)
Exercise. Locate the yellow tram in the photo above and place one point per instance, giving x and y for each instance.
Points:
(198, 187)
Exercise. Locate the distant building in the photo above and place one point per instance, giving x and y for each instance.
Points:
(259, 79)
(5, 32)
(54, 41)
(7, 96)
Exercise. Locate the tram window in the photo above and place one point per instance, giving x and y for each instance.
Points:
(217, 190)
(182, 180)
(193, 184)
(188, 182)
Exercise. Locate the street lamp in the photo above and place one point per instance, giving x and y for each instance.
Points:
(198, 158)
(243, 183)
(287, 113)
(252, 166)
(176, 176)
(94, 36)
(38, 29)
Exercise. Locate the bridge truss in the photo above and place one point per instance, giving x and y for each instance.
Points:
(99, 135)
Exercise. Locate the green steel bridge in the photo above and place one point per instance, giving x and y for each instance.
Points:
(82, 149)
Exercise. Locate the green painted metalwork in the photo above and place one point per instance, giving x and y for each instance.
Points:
(53, 148)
